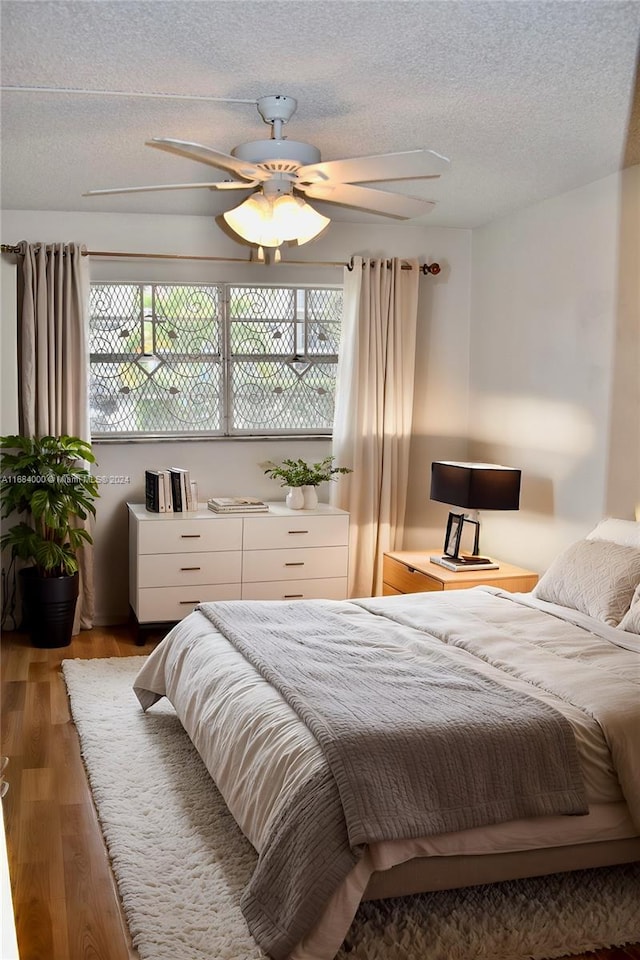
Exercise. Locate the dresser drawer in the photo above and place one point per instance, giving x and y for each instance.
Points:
(305, 564)
(159, 604)
(175, 569)
(272, 533)
(196, 535)
(331, 588)
(405, 579)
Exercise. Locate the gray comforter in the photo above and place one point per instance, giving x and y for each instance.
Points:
(414, 747)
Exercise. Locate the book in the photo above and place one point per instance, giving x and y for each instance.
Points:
(188, 493)
(457, 564)
(154, 491)
(185, 489)
(229, 510)
(176, 491)
(217, 502)
(166, 483)
(237, 505)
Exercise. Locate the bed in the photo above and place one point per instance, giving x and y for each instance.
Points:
(381, 747)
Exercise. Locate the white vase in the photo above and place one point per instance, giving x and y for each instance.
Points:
(310, 497)
(294, 498)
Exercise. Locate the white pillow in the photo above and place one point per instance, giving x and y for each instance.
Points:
(631, 620)
(597, 577)
(624, 532)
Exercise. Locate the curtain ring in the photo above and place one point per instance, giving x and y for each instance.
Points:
(350, 265)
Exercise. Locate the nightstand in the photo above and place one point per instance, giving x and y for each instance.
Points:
(410, 572)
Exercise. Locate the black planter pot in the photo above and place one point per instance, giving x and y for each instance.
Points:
(49, 606)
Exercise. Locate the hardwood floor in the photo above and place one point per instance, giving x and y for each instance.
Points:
(64, 895)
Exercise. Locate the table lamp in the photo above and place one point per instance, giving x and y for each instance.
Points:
(474, 486)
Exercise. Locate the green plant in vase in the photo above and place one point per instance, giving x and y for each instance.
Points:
(302, 478)
(45, 480)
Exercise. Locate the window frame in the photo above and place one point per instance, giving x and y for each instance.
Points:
(225, 358)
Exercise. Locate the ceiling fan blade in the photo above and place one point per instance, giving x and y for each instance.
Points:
(410, 164)
(366, 198)
(216, 185)
(224, 161)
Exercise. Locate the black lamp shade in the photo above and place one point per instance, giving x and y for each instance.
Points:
(477, 486)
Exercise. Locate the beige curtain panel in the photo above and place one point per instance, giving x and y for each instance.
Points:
(53, 318)
(374, 410)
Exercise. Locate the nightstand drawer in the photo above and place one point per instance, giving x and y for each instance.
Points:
(303, 564)
(272, 533)
(334, 588)
(175, 569)
(196, 535)
(406, 579)
(389, 591)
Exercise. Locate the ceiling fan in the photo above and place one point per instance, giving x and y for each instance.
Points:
(278, 170)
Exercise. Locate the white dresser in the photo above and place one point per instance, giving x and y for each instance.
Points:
(179, 560)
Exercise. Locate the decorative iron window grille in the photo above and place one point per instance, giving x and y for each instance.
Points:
(199, 360)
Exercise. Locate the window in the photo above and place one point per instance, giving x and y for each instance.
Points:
(203, 360)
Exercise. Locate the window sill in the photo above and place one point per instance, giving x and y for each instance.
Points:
(214, 439)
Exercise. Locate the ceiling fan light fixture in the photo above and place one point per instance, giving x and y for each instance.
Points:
(309, 223)
(248, 218)
(269, 221)
(286, 214)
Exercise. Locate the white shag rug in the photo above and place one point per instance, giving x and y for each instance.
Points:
(181, 862)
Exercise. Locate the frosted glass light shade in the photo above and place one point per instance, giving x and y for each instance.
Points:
(309, 223)
(268, 221)
(250, 218)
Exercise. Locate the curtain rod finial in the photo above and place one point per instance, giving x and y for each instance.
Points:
(432, 268)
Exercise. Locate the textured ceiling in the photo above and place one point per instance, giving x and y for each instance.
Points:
(527, 99)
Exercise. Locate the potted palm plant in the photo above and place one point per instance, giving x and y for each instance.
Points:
(45, 480)
(302, 478)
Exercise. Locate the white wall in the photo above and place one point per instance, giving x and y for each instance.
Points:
(554, 366)
(232, 466)
(441, 392)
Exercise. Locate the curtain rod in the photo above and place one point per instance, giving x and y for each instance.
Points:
(425, 268)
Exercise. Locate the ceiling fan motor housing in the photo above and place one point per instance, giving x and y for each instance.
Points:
(277, 154)
(281, 155)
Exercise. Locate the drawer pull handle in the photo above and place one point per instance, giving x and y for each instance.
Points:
(411, 570)
(185, 602)
(190, 568)
(298, 531)
(298, 563)
(294, 596)
(190, 536)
